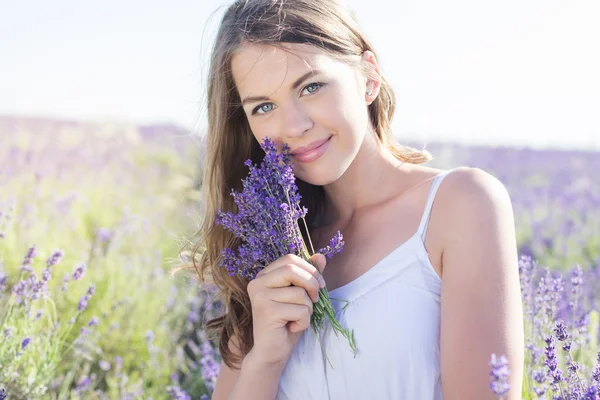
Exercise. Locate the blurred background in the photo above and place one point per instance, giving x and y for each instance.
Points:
(101, 118)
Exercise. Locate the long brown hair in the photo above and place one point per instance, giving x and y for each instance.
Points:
(330, 26)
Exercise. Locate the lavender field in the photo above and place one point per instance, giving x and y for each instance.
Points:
(94, 217)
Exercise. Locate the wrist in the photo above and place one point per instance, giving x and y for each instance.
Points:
(254, 361)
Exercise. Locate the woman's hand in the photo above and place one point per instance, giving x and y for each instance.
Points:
(282, 297)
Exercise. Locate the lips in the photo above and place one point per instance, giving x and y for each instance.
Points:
(305, 149)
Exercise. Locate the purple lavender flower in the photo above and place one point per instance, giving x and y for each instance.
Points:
(7, 332)
(91, 290)
(178, 393)
(3, 394)
(83, 303)
(499, 375)
(209, 367)
(25, 342)
(79, 271)
(149, 337)
(596, 371)
(3, 282)
(83, 385)
(104, 234)
(28, 260)
(552, 363)
(55, 258)
(93, 321)
(46, 274)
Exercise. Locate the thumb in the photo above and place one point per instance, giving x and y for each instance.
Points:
(319, 261)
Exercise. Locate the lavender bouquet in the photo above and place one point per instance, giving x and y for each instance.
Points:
(267, 222)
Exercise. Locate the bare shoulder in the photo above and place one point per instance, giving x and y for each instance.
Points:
(469, 198)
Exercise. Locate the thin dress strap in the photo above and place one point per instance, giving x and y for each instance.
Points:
(432, 191)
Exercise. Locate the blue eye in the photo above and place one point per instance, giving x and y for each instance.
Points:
(266, 107)
(317, 84)
(260, 107)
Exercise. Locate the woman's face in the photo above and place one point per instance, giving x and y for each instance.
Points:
(303, 97)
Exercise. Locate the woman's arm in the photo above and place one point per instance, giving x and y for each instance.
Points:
(480, 299)
(254, 380)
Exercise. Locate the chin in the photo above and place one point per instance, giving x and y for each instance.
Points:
(317, 177)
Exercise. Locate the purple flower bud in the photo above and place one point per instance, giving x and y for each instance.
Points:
(25, 342)
(83, 385)
(499, 375)
(31, 254)
(46, 274)
(54, 258)
(83, 303)
(93, 321)
(561, 331)
(91, 290)
(149, 336)
(79, 271)
(177, 393)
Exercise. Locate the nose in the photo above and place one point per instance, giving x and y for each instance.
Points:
(295, 120)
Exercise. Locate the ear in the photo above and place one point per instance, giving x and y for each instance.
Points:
(372, 84)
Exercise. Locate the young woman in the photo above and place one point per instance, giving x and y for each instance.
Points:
(429, 266)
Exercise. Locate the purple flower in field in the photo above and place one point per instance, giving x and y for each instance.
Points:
(79, 271)
(3, 394)
(83, 385)
(46, 274)
(93, 321)
(104, 234)
(178, 393)
(55, 258)
(499, 375)
(83, 303)
(149, 336)
(562, 335)
(25, 342)
(592, 393)
(3, 281)
(204, 397)
(7, 332)
(27, 261)
(91, 290)
(552, 362)
(209, 367)
(596, 371)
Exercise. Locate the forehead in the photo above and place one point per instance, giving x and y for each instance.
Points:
(262, 69)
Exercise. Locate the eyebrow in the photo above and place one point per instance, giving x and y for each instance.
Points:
(297, 82)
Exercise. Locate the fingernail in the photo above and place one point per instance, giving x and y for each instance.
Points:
(321, 281)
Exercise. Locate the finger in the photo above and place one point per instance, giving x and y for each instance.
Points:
(289, 259)
(291, 274)
(319, 261)
(298, 317)
(293, 295)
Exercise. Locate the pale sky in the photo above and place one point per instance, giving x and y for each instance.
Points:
(508, 72)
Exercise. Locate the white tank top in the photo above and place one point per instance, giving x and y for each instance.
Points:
(394, 309)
